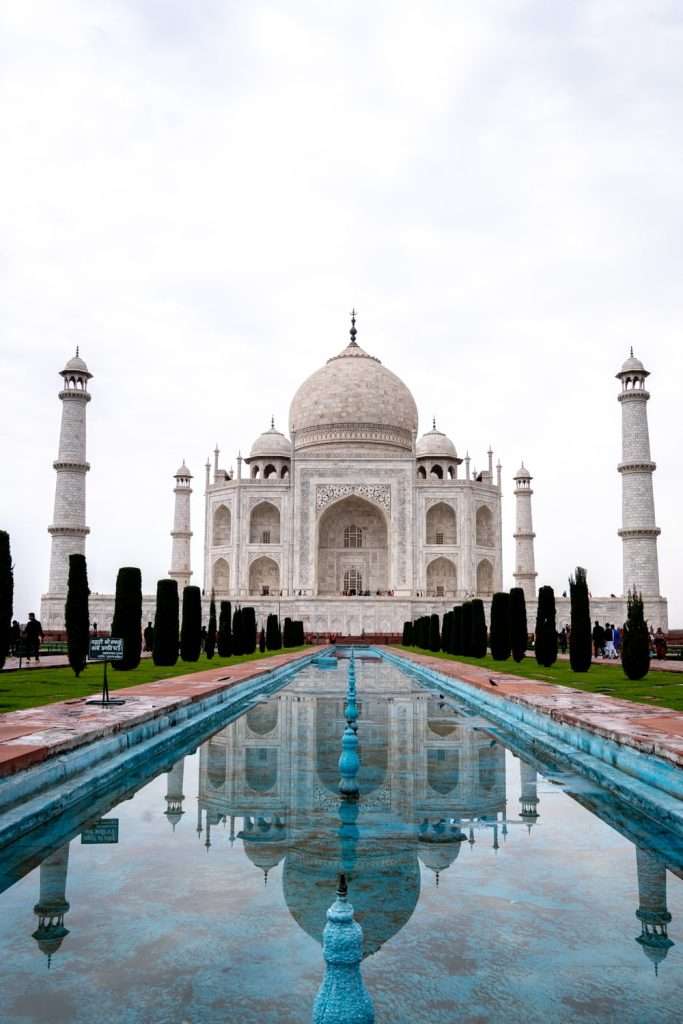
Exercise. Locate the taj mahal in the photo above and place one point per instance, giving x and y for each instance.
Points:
(355, 523)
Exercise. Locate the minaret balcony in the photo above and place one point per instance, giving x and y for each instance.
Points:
(74, 467)
(637, 467)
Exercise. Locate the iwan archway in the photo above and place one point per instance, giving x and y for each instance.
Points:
(353, 549)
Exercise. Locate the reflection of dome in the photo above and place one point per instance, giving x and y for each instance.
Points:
(439, 846)
(264, 842)
(50, 937)
(435, 445)
(353, 399)
(271, 444)
(384, 894)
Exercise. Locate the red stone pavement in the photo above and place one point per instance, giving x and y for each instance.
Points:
(35, 734)
(646, 728)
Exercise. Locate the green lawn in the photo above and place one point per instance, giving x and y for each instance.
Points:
(30, 688)
(663, 689)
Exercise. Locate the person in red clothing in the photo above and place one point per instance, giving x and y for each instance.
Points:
(33, 634)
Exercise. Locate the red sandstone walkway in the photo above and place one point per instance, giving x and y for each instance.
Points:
(646, 728)
(35, 734)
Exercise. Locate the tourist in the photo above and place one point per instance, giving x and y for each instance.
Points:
(660, 643)
(616, 640)
(203, 638)
(33, 634)
(598, 639)
(609, 649)
(148, 636)
(562, 640)
(14, 638)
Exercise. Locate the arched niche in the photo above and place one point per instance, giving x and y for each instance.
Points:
(484, 577)
(221, 576)
(484, 527)
(222, 525)
(353, 540)
(263, 718)
(261, 768)
(264, 524)
(421, 473)
(264, 576)
(436, 471)
(442, 578)
(269, 472)
(441, 524)
(216, 764)
(443, 769)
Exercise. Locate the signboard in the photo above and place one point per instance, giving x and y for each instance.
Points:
(106, 648)
(106, 830)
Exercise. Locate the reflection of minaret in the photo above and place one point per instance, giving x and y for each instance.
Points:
(528, 797)
(174, 793)
(652, 912)
(52, 904)
(342, 997)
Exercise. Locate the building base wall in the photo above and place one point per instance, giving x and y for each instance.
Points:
(352, 616)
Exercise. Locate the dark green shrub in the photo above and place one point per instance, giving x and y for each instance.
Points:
(407, 638)
(76, 618)
(262, 640)
(299, 635)
(191, 629)
(478, 638)
(166, 624)
(212, 630)
(546, 628)
(6, 595)
(519, 630)
(500, 627)
(456, 644)
(635, 642)
(127, 621)
(249, 637)
(467, 628)
(273, 635)
(446, 631)
(224, 639)
(434, 633)
(580, 641)
(287, 635)
(237, 635)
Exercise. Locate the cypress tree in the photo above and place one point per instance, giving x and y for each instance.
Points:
(237, 635)
(273, 638)
(424, 632)
(249, 636)
(300, 636)
(166, 624)
(519, 630)
(434, 633)
(127, 621)
(478, 638)
(546, 628)
(580, 642)
(446, 630)
(210, 645)
(262, 640)
(467, 628)
(6, 595)
(191, 629)
(287, 640)
(635, 642)
(406, 639)
(76, 618)
(500, 626)
(224, 639)
(457, 631)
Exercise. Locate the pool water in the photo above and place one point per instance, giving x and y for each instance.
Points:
(489, 886)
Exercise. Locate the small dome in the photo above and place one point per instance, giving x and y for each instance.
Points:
(76, 365)
(523, 473)
(183, 471)
(271, 444)
(632, 365)
(435, 444)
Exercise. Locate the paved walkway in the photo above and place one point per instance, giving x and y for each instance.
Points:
(661, 664)
(648, 729)
(33, 735)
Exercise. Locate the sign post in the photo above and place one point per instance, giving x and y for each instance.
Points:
(104, 649)
(105, 830)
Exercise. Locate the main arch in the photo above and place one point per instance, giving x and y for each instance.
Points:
(353, 548)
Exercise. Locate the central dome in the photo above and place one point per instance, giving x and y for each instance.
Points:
(353, 401)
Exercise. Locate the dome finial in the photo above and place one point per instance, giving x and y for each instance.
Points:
(272, 423)
(78, 353)
(433, 422)
(631, 351)
(353, 332)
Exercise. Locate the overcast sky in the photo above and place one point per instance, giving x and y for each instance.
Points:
(197, 193)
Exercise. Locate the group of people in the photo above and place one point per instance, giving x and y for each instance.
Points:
(27, 640)
(606, 640)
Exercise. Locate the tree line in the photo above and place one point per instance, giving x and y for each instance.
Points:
(463, 631)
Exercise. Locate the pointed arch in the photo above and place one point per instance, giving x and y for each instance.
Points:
(441, 578)
(353, 547)
(441, 524)
(264, 576)
(222, 526)
(264, 524)
(221, 576)
(484, 527)
(484, 577)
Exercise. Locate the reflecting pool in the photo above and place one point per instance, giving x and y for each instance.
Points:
(489, 886)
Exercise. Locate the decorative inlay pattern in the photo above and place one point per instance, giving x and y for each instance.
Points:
(380, 494)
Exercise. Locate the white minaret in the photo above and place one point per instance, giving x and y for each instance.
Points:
(68, 529)
(639, 532)
(52, 904)
(181, 532)
(525, 566)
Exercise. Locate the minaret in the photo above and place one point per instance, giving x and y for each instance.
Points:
(181, 532)
(174, 793)
(528, 796)
(652, 911)
(525, 571)
(639, 532)
(52, 904)
(68, 529)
